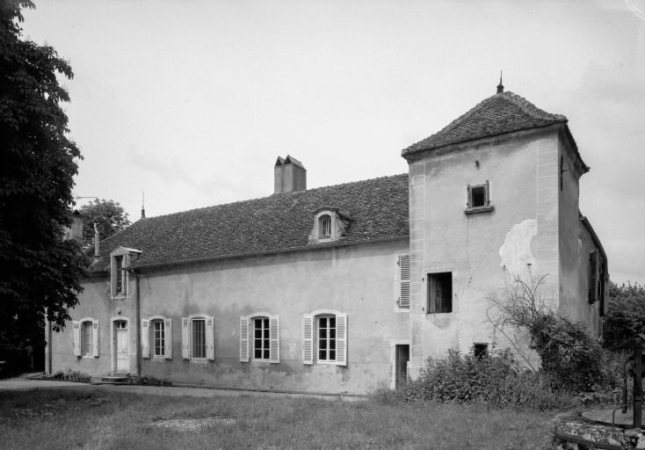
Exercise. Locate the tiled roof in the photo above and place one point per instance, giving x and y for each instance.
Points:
(374, 209)
(502, 113)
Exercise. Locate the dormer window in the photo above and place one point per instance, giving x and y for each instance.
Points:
(324, 226)
(329, 225)
(119, 261)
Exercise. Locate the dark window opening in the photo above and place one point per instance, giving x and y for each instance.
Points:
(324, 224)
(261, 339)
(480, 350)
(119, 274)
(440, 293)
(478, 194)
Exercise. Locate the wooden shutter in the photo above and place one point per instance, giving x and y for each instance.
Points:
(274, 339)
(185, 338)
(469, 193)
(341, 339)
(167, 324)
(95, 338)
(593, 277)
(432, 294)
(307, 339)
(487, 194)
(210, 338)
(145, 338)
(404, 277)
(244, 339)
(76, 337)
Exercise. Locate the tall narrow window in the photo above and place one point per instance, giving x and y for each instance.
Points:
(327, 338)
(159, 331)
(118, 260)
(324, 226)
(199, 338)
(87, 338)
(261, 338)
(439, 293)
(404, 280)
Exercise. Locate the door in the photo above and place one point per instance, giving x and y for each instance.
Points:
(401, 371)
(122, 347)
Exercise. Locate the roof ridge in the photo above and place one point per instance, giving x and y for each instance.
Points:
(292, 193)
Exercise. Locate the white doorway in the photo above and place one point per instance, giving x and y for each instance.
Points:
(121, 347)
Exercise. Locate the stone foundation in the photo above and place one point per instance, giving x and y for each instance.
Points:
(572, 431)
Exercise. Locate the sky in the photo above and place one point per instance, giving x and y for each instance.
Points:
(190, 102)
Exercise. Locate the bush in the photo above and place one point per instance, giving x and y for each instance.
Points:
(626, 316)
(497, 381)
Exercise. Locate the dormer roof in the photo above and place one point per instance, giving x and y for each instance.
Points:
(501, 113)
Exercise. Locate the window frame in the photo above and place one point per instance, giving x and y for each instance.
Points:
(247, 338)
(149, 338)
(486, 206)
(311, 338)
(431, 298)
(188, 338)
(80, 339)
(120, 260)
(324, 226)
(337, 226)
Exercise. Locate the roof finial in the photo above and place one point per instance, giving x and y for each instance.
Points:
(143, 204)
(500, 86)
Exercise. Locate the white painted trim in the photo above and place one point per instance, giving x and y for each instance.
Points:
(113, 338)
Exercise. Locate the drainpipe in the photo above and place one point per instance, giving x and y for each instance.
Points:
(137, 306)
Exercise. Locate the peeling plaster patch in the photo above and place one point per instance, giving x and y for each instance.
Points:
(515, 253)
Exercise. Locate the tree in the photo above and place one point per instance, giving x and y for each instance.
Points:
(39, 272)
(626, 315)
(108, 215)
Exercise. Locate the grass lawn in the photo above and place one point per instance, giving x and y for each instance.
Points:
(96, 418)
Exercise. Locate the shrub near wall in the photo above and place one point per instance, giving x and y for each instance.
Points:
(496, 380)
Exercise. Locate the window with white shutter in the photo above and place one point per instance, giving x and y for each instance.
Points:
(325, 338)
(198, 338)
(260, 338)
(85, 337)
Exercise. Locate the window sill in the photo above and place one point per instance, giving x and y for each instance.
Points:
(479, 209)
(197, 360)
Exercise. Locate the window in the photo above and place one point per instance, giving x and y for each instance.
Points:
(85, 337)
(260, 338)
(198, 338)
(119, 260)
(439, 293)
(478, 198)
(403, 286)
(325, 338)
(156, 337)
(480, 350)
(597, 283)
(324, 226)
(329, 225)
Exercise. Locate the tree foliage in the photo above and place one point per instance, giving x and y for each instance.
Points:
(39, 272)
(626, 316)
(568, 354)
(108, 215)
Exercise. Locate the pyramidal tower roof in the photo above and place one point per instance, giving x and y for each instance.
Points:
(504, 112)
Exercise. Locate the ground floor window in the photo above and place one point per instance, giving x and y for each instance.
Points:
(260, 338)
(85, 336)
(198, 338)
(325, 338)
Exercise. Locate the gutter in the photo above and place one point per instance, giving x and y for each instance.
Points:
(255, 254)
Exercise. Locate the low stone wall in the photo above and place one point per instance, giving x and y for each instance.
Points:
(573, 432)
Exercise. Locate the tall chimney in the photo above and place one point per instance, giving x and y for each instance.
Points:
(290, 175)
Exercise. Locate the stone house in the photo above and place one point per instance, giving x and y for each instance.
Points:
(349, 287)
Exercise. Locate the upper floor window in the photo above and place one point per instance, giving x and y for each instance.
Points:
(439, 293)
(260, 338)
(324, 339)
(329, 226)
(85, 336)
(324, 226)
(478, 198)
(402, 285)
(119, 261)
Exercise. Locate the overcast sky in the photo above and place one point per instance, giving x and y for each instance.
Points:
(192, 101)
